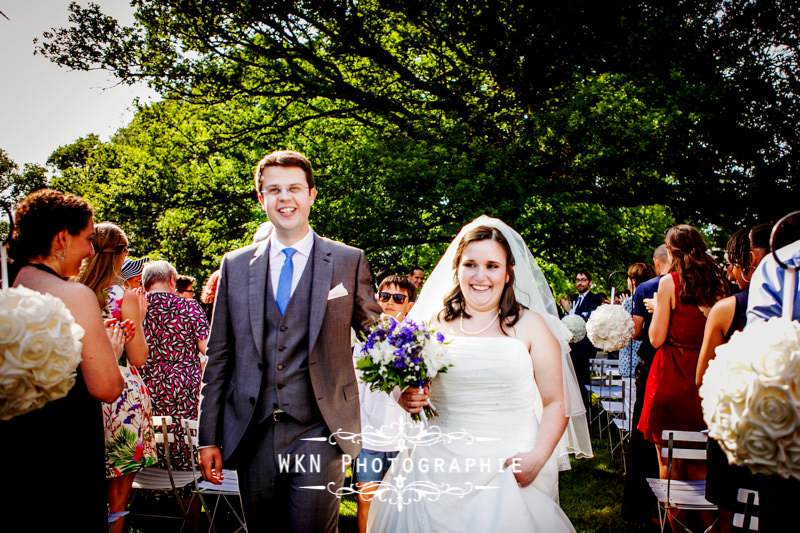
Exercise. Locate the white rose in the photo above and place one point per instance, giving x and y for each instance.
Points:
(60, 389)
(776, 358)
(770, 407)
(34, 349)
(756, 449)
(737, 382)
(790, 466)
(13, 380)
(722, 424)
(12, 328)
(59, 367)
(25, 398)
(34, 310)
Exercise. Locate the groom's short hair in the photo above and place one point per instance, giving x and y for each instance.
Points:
(284, 158)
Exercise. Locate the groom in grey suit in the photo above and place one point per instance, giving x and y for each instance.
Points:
(279, 379)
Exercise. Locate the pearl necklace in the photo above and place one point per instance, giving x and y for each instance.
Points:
(482, 330)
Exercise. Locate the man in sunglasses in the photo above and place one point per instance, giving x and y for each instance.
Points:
(380, 414)
(396, 296)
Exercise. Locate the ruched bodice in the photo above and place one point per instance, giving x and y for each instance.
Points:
(489, 389)
(452, 478)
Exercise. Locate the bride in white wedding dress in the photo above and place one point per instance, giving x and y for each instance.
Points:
(490, 460)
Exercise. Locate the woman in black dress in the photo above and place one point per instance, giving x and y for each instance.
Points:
(54, 456)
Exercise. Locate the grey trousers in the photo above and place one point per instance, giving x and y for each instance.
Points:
(288, 483)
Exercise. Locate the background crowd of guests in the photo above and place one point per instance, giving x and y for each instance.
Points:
(683, 308)
(142, 351)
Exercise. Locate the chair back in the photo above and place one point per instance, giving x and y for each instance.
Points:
(675, 450)
(191, 439)
(750, 500)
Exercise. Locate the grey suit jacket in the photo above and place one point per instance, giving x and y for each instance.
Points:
(232, 377)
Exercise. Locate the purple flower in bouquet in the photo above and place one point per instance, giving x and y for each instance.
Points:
(402, 354)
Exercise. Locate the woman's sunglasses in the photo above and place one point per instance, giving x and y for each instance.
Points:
(398, 298)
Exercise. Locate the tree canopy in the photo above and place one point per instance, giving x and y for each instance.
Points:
(572, 121)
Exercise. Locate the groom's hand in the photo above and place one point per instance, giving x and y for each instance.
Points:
(211, 464)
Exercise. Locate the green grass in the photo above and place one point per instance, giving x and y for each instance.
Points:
(591, 493)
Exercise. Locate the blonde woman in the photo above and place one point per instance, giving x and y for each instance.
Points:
(128, 433)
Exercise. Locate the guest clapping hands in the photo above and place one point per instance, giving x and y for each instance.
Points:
(129, 436)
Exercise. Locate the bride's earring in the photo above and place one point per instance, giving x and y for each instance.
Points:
(63, 255)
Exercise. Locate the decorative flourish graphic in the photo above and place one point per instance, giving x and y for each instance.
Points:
(411, 435)
(396, 492)
(394, 489)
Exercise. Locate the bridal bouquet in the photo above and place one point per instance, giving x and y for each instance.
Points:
(402, 354)
(576, 326)
(610, 327)
(40, 350)
(751, 397)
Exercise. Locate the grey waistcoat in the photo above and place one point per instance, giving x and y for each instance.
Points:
(286, 382)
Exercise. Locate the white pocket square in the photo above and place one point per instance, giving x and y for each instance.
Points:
(337, 292)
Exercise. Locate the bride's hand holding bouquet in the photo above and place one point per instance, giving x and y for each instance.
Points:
(404, 355)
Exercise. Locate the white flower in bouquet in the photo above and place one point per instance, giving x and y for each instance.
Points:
(610, 327)
(576, 326)
(40, 350)
(751, 397)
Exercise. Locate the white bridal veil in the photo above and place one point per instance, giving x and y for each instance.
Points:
(532, 291)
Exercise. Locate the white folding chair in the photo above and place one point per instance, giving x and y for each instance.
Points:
(611, 396)
(681, 494)
(155, 478)
(605, 386)
(228, 491)
(623, 426)
(750, 500)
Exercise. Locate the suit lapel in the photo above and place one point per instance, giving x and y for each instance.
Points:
(257, 293)
(321, 283)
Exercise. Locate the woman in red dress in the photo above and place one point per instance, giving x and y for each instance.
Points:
(682, 302)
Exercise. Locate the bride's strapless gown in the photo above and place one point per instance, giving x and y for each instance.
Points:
(486, 403)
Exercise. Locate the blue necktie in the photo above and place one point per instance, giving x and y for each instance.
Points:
(285, 281)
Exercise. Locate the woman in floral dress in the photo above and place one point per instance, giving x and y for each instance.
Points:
(129, 439)
(176, 330)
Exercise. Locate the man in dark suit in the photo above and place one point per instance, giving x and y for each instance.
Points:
(279, 398)
(582, 304)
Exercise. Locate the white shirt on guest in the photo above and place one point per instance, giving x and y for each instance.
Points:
(299, 259)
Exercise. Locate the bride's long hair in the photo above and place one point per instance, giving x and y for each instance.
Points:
(510, 308)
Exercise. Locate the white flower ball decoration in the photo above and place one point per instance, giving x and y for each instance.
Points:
(576, 326)
(751, 397)
(610, 327)
(40, 350)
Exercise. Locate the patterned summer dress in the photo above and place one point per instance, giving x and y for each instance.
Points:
(130, 442)
(172, 327)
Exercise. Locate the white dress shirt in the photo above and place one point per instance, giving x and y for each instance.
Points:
(299, 259)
